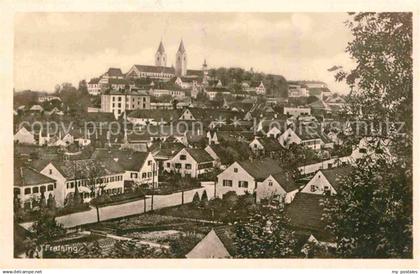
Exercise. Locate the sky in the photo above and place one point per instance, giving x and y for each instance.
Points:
(52, 48)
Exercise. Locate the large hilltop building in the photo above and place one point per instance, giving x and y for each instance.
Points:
(160, 71)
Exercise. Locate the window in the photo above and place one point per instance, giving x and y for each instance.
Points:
(270, 183)
(183, 157)
(50, 171)
(27, 190)
(133, 175)
(235, 170)
(243, 184)
(71, 185)
(143, 175)
(149, 163)
(362, 150)
(50, 187)
(227, 183)
(313, 188)
(187, 166)
(178, 165)
(43, 189)
(35, 189)
(17, 191)
(168, 164)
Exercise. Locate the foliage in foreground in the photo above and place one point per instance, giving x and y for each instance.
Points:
(371, 216)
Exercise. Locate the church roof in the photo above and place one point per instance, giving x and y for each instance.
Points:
(161, 49)
(155, 69)
(181, 48)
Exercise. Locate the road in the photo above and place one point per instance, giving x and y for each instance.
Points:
(131, 208)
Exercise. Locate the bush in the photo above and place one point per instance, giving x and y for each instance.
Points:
(230, 198)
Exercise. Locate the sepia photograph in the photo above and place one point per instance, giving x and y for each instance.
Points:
(212, 135)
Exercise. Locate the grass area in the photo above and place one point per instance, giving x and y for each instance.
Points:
(189, 211)
(108, 200)
(170, 188)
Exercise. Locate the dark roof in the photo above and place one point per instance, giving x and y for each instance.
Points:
(81, 168)
(215, 114)
(167, 153)
(94, 81)
(199, 155)
(155, 69)
(270, 144)
(127, 159)
(261, 169)
(156, 114)
(25, 176)
(235, 136)
(335, 175)
(114, 72)
(285, 181)
(305, 212)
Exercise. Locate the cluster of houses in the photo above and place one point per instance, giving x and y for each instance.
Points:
(236, 145)
(190, 142)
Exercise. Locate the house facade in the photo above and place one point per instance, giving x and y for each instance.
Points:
(24, 136)
(71, 174)
(30, 185)
(190, 162)
(327, 181)
(118, 102)
(278, 187)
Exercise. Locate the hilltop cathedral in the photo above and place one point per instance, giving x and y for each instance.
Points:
(161, 71)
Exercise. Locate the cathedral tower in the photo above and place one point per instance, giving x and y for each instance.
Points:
(181, 61)
(160, 56)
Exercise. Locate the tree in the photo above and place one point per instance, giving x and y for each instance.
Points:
(381, 84)
(372, 214)
(196, 200)
(183, 244)
(51, 203)
(46, 229)
(265, 234)
(42, 201)
(204, 199)
(95, 184)
(77, 197)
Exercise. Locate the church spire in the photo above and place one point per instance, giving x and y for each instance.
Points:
(181, 48)
(181, 60)
(161, 49)
(160, 56)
